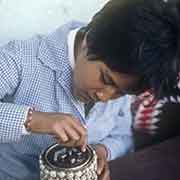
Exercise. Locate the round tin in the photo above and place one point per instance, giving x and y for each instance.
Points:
(67, 163)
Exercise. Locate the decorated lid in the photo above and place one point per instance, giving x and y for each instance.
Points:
(60, 157)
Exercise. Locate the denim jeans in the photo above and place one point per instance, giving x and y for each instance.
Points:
(16, 166)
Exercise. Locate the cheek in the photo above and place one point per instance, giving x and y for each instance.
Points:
(91, 80)
(86, 76)
(87, 81)
(79, 80)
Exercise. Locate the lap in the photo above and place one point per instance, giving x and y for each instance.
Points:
(5, 176)
(16, 166)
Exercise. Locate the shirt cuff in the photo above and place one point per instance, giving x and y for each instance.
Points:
(12, 118)
(24, 131)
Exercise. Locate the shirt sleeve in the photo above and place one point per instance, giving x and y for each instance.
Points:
(12, 116)
(119, 141)
(110, 124)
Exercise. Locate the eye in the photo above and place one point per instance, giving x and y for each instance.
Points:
(106, 80)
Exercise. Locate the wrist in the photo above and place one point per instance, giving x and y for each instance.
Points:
(37, 122)
(27, 123)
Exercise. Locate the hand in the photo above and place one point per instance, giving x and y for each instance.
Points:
(102, 167)
(64, 127)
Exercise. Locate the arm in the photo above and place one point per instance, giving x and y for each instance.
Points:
(111, 129)
(120, 140)
(64, 127)
(12, 116)
(114, 127)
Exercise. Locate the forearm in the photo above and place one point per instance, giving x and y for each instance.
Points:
(67, 130)
(40, 123)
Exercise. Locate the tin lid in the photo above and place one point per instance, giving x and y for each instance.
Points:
(61, 158)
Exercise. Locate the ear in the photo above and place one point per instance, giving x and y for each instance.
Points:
(84, 42)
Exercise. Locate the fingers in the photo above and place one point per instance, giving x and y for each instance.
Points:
(84, 139)
(62, 136)
(84, 145)
(82, 131)
(71, 130)
(72, 134)
(105, 173)
(73, 143)
(76, 124)
(101, 164)
(82, 142)
(70, 143)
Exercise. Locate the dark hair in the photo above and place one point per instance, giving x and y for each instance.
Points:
(139, 37)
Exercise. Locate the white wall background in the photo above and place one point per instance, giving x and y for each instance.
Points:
(20, 19)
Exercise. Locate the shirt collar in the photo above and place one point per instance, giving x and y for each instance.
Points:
(71, 42)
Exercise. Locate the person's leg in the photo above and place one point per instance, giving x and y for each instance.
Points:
(16, 166)
(4, 176)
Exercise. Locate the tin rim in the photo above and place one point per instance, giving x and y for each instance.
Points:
(52, 167)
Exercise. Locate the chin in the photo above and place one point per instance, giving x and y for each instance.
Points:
(82, 99)
(78, 96)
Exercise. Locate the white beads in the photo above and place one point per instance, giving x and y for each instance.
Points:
(53, 174)
(70, 175)
(61, 174)
(80, 172)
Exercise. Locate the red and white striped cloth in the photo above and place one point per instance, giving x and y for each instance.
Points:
(146, 109)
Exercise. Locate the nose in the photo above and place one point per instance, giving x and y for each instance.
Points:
(102, 96)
